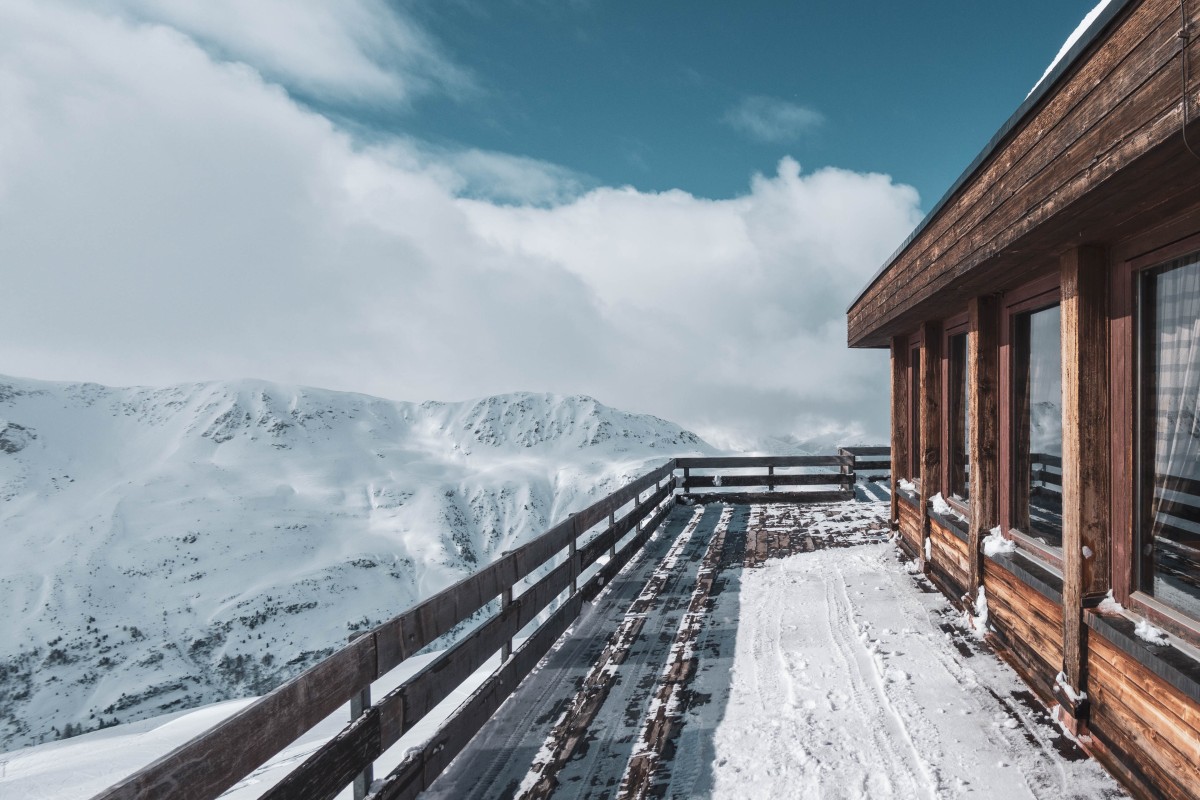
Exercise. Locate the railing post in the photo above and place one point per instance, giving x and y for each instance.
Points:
(612, 524)
(574, 562)
(359, 704)
(505, 602)
(771, 478)
(686, 473)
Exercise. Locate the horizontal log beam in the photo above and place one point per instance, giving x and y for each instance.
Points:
(717, 481)
(745, 498)
(728, 462)
(882, 450)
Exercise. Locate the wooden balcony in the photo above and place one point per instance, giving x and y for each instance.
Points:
(597, 659)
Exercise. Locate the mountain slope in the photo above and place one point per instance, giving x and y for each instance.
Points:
(169, 547)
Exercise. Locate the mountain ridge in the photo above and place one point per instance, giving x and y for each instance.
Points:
(174, 546)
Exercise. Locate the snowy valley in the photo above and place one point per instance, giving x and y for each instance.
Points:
(166, 548)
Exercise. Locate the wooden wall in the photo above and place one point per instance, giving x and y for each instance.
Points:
(910, 523)
(949, 565)
(1148, 730)
(1029, 622)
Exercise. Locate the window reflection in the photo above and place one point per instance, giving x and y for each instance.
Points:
(959, 445)
(1169, 376)
(1037, 425)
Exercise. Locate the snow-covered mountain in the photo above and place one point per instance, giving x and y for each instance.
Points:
(164, 548)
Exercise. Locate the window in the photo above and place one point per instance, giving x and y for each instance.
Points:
(958, 393)
(1037, 425)
(1168, 395)
(914, 413)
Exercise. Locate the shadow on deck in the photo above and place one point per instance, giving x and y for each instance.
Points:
(629, 704)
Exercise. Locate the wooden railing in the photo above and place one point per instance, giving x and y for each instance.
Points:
(717, 482)
(212, 762)
(570, 556)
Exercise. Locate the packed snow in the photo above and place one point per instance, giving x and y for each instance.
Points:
(1148, 633)
(996, 543)
(168, 548)
(1075, 36)
(1109, 605)
(848, 682)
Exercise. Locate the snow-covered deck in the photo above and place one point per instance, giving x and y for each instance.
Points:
(773, 651)
(750, 651)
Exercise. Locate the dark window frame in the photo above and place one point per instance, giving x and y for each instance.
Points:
(915, 342)
(1033, 296)
(1127, 430)
(958, 325)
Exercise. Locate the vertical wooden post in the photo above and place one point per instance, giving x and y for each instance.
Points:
(505, 602)
(360, 703)
(899, 420)
(1086, 542)
(931, 420)
(983, 430)
(571, 555)
(771, 478)
(612, 525)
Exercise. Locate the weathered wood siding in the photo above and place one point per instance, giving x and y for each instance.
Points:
(949, 557)
(1030, 625)
(910, 523)
(1066, 173)
(1150, 731)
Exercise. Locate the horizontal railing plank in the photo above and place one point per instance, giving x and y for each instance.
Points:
(865, 451)
(419, 771)
(742, 498)
(325, 773)
(864, 464)
(405, 635)
(717, 481)
(407, 704)
(1047, 459)
(727, 462)
(207, 765)
(592, 550)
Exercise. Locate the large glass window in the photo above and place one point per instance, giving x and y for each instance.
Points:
(958, 445)
(1037, 425)
(914, 413)
(1169, 458)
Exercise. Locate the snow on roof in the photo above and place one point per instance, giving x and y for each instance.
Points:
(1071, 40)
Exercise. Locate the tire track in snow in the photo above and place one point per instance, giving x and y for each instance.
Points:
(897, 777)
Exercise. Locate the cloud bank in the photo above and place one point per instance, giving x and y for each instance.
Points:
(170, 213)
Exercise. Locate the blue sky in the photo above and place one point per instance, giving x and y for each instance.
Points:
(667, 206)
(641, 93)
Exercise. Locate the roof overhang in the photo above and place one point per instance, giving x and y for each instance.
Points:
(1099, 125)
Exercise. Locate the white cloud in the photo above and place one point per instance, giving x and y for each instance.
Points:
(349, 50)
(769, 119)
(167, 216)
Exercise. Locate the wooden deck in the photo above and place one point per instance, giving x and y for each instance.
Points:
(617, 632)
(531, 595)
(621, 708)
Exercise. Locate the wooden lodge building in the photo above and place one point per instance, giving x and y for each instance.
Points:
(1044, 328)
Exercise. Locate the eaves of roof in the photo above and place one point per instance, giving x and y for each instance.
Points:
(1096, 31)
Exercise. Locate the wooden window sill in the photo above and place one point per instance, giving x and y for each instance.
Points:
(1170, 662)
(1033, 574)
(1038, 550)
(959, 527)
